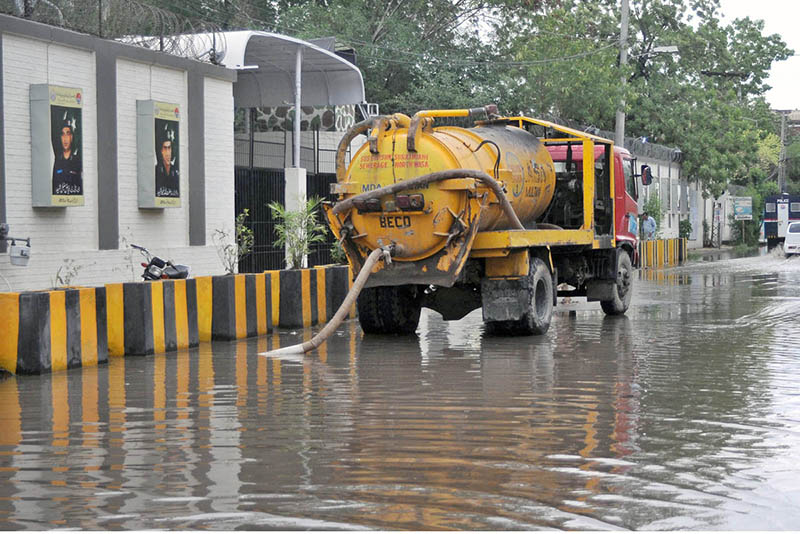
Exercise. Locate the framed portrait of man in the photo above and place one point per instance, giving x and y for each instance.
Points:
(56, 146)
(158, 140)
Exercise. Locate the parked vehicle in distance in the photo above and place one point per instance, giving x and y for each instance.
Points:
(792, 243)
(779, 212)
(157, 269)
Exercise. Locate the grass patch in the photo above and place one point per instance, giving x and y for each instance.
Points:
(744, 249)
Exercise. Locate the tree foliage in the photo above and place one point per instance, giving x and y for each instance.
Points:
(557, 59)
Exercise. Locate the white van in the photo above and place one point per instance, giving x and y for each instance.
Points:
(792, 243)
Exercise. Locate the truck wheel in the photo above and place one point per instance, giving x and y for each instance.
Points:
(536, 320)
(623, 289)
(389, 309)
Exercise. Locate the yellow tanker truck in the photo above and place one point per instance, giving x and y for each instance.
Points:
(495, 216)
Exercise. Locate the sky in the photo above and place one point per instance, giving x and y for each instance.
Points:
(781, 17)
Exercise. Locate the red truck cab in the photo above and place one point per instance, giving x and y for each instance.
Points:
(569, 160)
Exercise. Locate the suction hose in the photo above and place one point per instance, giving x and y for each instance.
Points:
(343, 310)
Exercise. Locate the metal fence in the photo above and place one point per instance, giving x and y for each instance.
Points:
(261, 154)
(255, 190)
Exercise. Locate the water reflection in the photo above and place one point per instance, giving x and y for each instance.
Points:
(681, 414)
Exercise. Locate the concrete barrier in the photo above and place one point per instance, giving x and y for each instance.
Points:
(46, 331)
(152, 317)
(247, 305)
(662, 252)
(54, 330)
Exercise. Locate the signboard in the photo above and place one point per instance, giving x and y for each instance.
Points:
(742, 208)
(158, 154)
(56, 146)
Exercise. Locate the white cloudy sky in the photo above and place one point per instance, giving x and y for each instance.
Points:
(781, 17)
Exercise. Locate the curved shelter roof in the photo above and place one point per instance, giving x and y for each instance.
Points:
(266, 64)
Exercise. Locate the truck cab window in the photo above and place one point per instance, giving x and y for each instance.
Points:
(630, 181)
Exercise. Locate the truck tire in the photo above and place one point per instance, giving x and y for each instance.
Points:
(623, 288)
(389, 309)
(536, 320)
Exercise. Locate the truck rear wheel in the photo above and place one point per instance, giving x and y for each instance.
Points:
(536, 319)
(623, 288)
(389, 309)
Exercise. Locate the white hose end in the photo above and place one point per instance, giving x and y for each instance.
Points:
(291, 349)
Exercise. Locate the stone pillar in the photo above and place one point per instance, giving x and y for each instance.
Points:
(295, 196)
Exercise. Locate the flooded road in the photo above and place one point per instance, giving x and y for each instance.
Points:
(685, 414)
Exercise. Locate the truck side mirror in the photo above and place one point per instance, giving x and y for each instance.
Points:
(647, 176)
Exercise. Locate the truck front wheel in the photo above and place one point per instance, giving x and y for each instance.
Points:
(536, 319)
(623, 288)
(389, 309)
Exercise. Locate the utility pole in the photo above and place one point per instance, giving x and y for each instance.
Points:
(782, 160)
(619, 131)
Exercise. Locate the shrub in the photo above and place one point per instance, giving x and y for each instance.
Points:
(233, 246)
(653, 208)
(685, 228)
(297, 230)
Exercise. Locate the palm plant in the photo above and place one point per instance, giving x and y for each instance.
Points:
(297, 230)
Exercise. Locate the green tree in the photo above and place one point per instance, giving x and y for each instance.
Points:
(709, 100)
(556, 59)
(562, 62)
(793, 167)
(411, 53)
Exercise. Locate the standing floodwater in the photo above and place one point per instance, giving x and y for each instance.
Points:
(682, 415)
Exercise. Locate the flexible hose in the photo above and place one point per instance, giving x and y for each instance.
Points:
(487, 180)
(340, 314)
(548, 226)
(344, 143)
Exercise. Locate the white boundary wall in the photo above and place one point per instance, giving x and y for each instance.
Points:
(70, 235)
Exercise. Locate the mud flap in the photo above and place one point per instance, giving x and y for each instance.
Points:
(600, 290)
(504, 299)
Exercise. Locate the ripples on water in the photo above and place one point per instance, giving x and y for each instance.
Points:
(682, 415)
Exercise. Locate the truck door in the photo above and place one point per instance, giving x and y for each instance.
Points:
(626, 195)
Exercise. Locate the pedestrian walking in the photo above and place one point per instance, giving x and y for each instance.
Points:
(648, 226)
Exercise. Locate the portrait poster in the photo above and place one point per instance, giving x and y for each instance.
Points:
(159, 165)
(56, 146)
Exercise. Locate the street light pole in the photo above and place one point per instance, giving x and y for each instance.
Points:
(619, 131)
(782, 160)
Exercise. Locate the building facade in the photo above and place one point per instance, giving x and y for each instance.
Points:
(87, 241)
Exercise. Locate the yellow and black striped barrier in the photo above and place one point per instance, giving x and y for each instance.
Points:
(153, 317)
(662, 252)
(248, 305)
(54, 330)
(47, 331)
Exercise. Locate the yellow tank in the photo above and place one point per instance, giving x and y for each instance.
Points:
(525, 170)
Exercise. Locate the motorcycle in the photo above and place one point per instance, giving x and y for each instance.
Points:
(158, 269)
